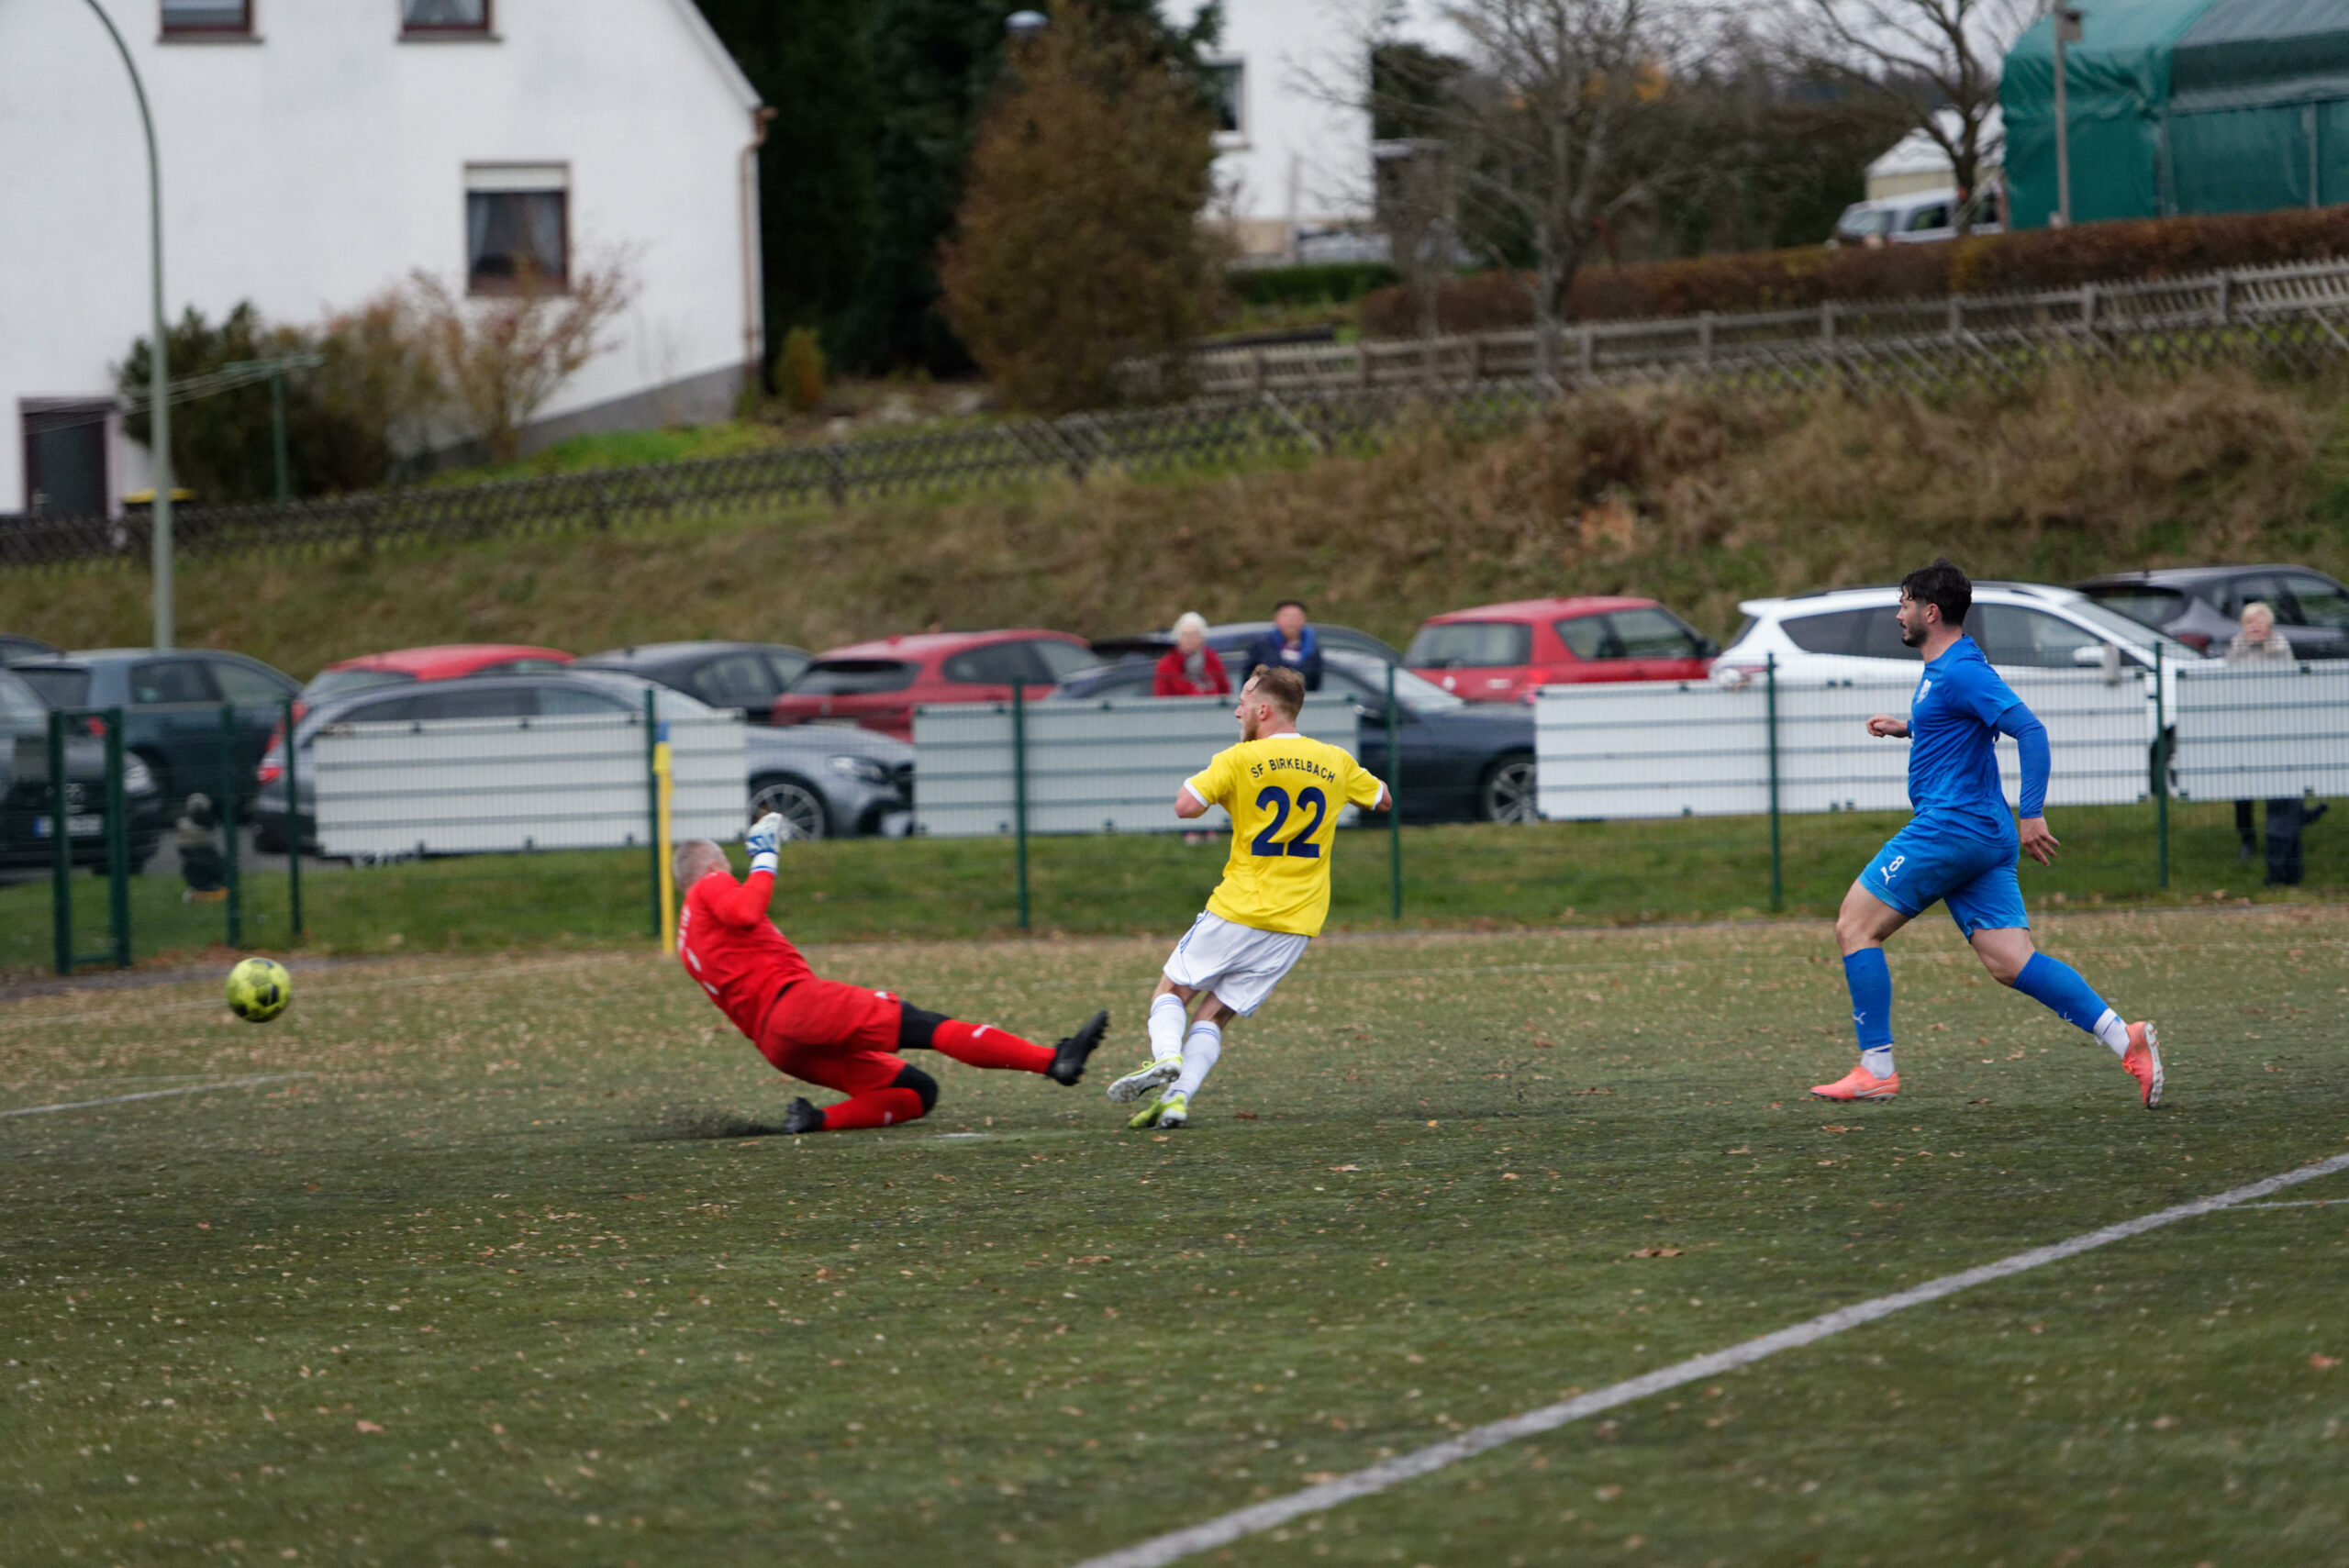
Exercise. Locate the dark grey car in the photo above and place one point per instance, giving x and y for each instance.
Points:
(29, 807)
(824, 781)
(748, 675)
(171, 701)
(2201, 606)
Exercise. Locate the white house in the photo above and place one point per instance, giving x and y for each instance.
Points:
(317, 152)
(1916, 163)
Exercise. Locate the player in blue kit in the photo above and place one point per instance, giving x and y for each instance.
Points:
(1959, 847)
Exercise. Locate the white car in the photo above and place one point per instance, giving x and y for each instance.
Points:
(1916, 217)
(1850, 634)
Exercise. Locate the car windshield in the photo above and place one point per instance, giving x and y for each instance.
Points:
(339, 683)
(2140, 602)
(1862, 220)
(56, 686)
(1457, 644)
(1368, 675)
(2136, 633)
(21, 709)
(848, 677)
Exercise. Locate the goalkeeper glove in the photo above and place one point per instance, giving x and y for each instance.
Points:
(765, 834)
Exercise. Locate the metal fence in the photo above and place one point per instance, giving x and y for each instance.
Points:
(1285, 403)
(1658, 800)
(2298, 312)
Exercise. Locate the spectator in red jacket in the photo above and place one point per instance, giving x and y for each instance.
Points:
(1190, 668)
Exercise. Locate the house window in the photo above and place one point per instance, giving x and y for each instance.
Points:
(182, 17)
(518, 227)
(444, 17)
(1227, 85)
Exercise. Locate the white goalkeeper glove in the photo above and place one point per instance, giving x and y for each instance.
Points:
(766, 835)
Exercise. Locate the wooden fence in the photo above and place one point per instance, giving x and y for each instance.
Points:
(1296, 402)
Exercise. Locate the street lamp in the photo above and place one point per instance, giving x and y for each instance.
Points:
(159, 371)
(2067, 31)
(1026, 24)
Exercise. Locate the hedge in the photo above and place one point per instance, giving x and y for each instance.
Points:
(1989, 263)
(1319, 282)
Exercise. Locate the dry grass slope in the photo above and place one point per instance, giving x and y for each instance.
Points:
(1698, 499)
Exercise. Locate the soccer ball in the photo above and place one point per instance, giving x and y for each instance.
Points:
(258, 989)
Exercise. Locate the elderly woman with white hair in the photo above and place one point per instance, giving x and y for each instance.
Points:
(2256, 644)
(1190, 668)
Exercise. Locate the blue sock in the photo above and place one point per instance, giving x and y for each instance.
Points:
(1870, 979)
(2058, 986)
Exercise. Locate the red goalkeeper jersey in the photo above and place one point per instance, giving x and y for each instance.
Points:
(732, 950)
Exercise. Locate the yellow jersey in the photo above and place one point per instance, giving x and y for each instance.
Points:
(1284, 792)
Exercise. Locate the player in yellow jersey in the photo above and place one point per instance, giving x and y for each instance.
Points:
(1283, 791)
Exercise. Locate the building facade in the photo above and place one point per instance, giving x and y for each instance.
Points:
(317, 152)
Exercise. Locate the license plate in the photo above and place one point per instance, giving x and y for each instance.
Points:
(85, 826)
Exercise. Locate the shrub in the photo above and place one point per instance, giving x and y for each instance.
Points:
(1078, 242)
(502, 358)
(799, 369)
(1987, 263)
(1318, 283)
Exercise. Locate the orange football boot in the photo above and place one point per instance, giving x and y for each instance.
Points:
(1859, 1084)
(2144, 1062)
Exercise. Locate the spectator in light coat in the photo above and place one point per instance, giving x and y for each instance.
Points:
(2259, 643)
(1190, 668)
(1291, 642)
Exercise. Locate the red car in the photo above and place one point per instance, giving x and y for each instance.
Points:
(877, 685)
(445, 661)
(1507, 652)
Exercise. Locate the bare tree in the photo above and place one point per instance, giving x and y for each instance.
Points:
(1560, 121)
(1922, 57)
(500, 359)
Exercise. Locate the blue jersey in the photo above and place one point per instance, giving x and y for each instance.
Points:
(1954, 724)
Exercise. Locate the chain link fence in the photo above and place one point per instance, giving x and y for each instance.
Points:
(1652, 801)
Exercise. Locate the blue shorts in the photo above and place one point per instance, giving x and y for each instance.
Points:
(1975, 877)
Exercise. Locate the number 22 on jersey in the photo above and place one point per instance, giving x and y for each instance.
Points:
(1274, 799)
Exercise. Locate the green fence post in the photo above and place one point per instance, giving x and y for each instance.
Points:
(228, 824)
(1778, 867)
(293, 827)
(60, 897)
(2160, 772)
(1394, 805)
(652, 808)
(118, 844)
(1019, 791)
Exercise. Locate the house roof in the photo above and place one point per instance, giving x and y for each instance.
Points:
(689, 15)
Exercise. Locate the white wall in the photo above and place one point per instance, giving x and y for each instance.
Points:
(308, 169)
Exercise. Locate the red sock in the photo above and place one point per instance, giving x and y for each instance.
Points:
(877, 1107)
(983, 1045)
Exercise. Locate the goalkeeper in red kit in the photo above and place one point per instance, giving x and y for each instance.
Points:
(843, 1037)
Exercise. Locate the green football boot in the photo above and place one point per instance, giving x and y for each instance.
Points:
(1137, 1084)
(1145, 1118)
(1173, 1110)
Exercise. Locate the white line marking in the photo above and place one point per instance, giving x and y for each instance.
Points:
(1172, 1546)
(2302, 1203)
(157, 1093)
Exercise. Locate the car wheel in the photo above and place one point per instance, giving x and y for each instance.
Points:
(1508, 791)
(797, 801)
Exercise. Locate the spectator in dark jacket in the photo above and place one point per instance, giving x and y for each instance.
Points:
(1190, 668)
(1291, 643)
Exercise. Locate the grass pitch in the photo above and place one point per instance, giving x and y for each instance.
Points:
(483, 1287)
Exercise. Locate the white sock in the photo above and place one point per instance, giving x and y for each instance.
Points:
(2113, 1032)
(1878, 1058)
(1167, 1017)
(1201, 1047)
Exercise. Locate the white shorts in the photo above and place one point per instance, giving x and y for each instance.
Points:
(1240, 963)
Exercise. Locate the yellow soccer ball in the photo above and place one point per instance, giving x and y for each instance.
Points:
(258, 989)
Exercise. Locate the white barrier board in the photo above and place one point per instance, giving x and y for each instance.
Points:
(2260, 732)
(1609, 751)
(479, 785)
(1093, 767)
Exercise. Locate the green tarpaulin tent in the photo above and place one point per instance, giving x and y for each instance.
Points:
(2183, 106)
